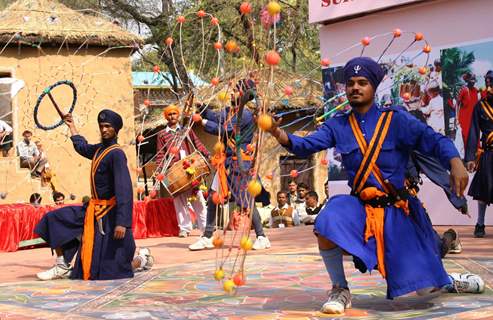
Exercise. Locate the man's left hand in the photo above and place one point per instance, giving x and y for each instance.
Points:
(458, 176)
(119, 232)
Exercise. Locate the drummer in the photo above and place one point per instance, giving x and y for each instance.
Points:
(187, 142)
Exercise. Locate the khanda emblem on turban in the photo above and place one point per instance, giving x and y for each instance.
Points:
(357, 69)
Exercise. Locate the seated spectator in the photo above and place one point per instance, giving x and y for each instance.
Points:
(312, 207)
(59, 198)
(35, 199)
(293, 192)
(5, 138)
(282, 215)
(299, 205)
(29, 155)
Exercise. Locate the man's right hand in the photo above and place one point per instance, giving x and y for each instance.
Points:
(471, 166)
(69, 121)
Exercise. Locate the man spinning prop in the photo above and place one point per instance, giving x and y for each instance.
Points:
(100, 230)
(380, 224)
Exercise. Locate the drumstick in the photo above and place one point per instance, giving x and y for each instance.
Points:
(55, 104)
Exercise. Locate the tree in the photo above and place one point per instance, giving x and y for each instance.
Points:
(455, 63)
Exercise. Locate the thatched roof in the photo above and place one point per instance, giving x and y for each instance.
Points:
(306, 91)
(48, 21)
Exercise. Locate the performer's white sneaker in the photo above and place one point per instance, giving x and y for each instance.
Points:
(339, 300)
(149, 259)
(57, 272)
(466, 283)
(201, 244)
(261, 243)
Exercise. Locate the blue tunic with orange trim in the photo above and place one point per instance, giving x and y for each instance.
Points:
(412, 260)
(62, 228)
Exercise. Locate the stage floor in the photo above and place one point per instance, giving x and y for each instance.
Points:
(285, 282)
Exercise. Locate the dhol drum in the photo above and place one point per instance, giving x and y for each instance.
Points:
(186, 173)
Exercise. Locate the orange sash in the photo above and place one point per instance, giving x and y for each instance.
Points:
(374, 216)
(218, 161)
(96, 210)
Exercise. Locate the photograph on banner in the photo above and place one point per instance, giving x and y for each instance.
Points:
(464, 68)
(413, 81)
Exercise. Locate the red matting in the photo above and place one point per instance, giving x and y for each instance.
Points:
(156, 218)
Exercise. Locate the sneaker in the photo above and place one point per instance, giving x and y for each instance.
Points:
(59, 271)
(339, 300)
(479, 231)
(183, 234)
(261, 243)
(146, 252)
(465, 283)
(201, 244)
(455, 245)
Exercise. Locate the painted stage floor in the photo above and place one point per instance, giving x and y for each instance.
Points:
(279, 286)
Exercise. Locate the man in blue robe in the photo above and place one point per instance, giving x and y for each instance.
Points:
(380, 224)
(236, 133)
(100, 231)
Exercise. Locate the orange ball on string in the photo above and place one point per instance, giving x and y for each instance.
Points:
(169, 41)
(264, 122)
(325, 62)
(201, 13)
(218, 147)
(218, 45)
(218, 242)
(245, 8)
(174, 150)
(230, 46)
(397, 33)
(324, 162)
(273, 8)
(180, 19)
(214, 21)
(254, 188)
(215, 81)
(139, 170)
(239, 279)
(288, 90)
(140, 190)
(250, 147)
(293, 173)
(156, 69)
(147, 102)
(418, 36)
(422, 70)
(140, 138)
(272, 58)
(196, 117)
(406, 96)
(229, 286)
(427, 48)
(365, 41)
(160, 177)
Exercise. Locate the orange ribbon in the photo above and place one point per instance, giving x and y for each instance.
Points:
(218, 161)
(95, 211)
(375, 218)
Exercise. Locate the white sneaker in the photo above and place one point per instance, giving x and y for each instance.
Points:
(57, 272)
(339, 300)
(261, 243)
(201, 244)
(466, 283)
(146, 253)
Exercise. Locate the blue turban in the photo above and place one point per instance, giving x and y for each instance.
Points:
(112, 118)
(364, 67)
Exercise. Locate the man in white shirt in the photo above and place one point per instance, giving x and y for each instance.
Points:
(5, 138)
(434, 110)
(29, 155)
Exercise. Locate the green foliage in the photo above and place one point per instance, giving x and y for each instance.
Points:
(455, 63)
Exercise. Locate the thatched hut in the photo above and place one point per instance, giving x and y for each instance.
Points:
(42, 42)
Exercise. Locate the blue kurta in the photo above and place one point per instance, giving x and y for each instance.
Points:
(62, 228)
(412, 259)
(218, 122)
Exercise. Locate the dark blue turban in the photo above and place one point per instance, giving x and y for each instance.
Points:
(112, 118)
(364, 67)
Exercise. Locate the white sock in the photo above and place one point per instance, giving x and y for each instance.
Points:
(60, 261)
(143, 261)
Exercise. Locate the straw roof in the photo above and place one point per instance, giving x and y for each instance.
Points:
(48, 21)
(306, 91)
